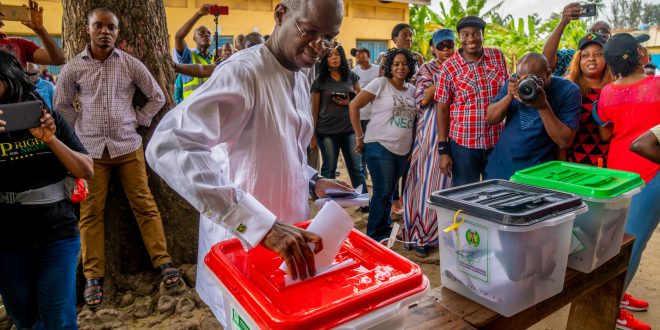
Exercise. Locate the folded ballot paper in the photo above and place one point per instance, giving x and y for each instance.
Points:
(333, 224)
(345, 198)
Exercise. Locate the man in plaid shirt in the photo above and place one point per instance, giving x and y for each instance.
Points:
(104, 79)
(467, 82)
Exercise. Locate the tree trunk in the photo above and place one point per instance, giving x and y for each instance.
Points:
(143, 34)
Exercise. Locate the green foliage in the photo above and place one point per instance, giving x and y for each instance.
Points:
(514, 37)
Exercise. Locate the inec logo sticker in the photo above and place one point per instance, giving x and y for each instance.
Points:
(472, 237)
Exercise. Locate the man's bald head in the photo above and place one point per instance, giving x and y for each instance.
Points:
(535, 60)
(536, 64)
(304, 30)
(599, 25)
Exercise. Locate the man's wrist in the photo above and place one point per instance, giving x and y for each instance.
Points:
(444, 147)
(312, 184)
(40, 31)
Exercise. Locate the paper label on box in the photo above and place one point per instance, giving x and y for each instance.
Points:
(238, 320)
(473, 250)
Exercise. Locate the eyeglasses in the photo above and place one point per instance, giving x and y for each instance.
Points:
(327, 43)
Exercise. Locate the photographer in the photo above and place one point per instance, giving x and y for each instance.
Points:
(542, 113)
(26, 50)
(332, 91)
(560, 60)
(200, 55)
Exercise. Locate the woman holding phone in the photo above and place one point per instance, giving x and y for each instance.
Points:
(389, 136)
(39, 239)
(332, 91)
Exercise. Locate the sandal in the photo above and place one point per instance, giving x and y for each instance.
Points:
(94, 294)
(171, 277)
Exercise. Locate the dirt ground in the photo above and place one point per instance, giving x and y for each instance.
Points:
(150, 306)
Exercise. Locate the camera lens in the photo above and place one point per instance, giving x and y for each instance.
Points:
(528, 90)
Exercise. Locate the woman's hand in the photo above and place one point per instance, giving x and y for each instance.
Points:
(2, 124)
(340, 101)
(46, 131)
(314, 144)
(359, 145)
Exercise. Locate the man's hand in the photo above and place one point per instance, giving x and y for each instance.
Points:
(446, 165)
(512, 87)
(571, 12)
(205, 9)
(36, 22)
(323, 184)
(291, 244)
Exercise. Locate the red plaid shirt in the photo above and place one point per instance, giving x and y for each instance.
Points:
(468, 87)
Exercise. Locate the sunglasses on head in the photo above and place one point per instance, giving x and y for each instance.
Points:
(444, 45)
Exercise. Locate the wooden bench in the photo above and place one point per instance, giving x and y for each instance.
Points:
(595, 301)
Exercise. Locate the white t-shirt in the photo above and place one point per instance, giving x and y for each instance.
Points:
(392, 116)
(366, 76)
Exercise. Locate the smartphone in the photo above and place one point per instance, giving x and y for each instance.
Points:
(20, 116)
(15, 13)
(339, 95)
(588, 10)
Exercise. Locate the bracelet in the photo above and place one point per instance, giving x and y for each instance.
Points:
(443, 148)
(312, 185)
(361, 137)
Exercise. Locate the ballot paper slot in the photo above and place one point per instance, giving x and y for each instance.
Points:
(364, 286)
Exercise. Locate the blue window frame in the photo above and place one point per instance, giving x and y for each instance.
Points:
(375, 47)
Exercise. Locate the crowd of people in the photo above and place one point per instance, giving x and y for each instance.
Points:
(242, 144)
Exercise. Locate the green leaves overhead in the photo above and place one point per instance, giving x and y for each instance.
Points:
(515, 37)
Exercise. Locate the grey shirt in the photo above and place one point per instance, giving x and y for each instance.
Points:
(334, 118)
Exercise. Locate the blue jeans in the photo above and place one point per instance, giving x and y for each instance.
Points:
(330, 145)
(643, 218)
(469, 165)
(385, 168)
(38, 284)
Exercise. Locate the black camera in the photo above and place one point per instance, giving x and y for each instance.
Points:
(528, 88)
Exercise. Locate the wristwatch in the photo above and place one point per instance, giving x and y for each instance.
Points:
(312, 185)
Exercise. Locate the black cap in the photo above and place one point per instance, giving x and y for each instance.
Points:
(354, 51)
(470, 21)
(643, 37)
(619, 47)
(591, 38)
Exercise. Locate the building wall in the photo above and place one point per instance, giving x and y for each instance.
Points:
(364, 19)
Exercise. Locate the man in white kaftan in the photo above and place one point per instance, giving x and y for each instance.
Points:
(236, 148)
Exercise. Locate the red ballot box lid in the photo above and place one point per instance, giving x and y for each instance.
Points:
(376, 278)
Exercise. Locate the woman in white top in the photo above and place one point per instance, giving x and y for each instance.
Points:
(389, 133)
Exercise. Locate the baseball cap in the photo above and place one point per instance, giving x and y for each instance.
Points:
(591, 38)
(643, 37)
(619, 47)
(470, 21)
(442, 35)
(354, 51)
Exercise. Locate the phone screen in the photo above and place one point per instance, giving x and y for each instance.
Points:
(588, 10)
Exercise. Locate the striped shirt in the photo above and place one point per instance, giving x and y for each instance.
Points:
(105, 117)
(468, 87)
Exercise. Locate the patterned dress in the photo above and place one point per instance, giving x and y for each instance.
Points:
(424, 177)
(588, 148)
